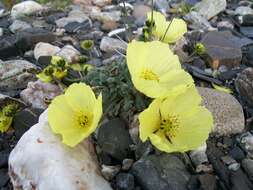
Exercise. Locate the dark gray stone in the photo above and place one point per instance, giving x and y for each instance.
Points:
(125, 181)
(208, 182)
(214, 156)
(247, 31)
(114, 139)
(75, 27)
(247, 165)
(55, 16)
(221, 50)
(8, 47)
(143, 149)
(239, 181)
(244, 85)
(4, 155)
(24, 119)
(161, 172)
(248, 54)
(246, 20)
(237, 153)
(14, 45)
(28, 38)
(4, 177)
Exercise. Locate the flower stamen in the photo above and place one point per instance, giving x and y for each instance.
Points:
(169, 126)
(84, 119)
(149, 75)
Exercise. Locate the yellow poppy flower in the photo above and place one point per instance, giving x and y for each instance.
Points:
(175, 28)
(155, 70)
(52, 71)
(44, 76)
(177, 123)
(75, 115)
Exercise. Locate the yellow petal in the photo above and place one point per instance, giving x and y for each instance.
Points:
(44, 78)
(154, 69)
(181, 102)
(160, 23)
(80, 97)
(194, 130)
(97, 112)
(59, 74)
(60, 115)
(149, 120)
(56, 59)
(222, 89)
(161, 143)
(151, 55)
(176, 28)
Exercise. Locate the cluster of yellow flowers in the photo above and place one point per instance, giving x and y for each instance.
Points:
(175, 120)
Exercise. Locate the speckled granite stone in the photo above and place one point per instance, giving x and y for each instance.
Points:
(227, 111)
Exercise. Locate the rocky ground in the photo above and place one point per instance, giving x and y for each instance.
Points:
(224, 28)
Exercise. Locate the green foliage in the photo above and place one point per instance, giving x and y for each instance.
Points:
(7, 113)
(120, 98)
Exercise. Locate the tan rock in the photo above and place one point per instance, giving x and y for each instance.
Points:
(227, 111)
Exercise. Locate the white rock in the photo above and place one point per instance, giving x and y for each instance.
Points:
(25, 8)
(197, 21)
(40, 161)
(225, 24)
(1, 32)
(38, 94)
(210, 8)
(111, 45)
(102, 3)
(19, 25)
(73, 16)
(69, 53)
(243, 11)
(15, 74)
(199, 156)
(45, 49)
(105, 16)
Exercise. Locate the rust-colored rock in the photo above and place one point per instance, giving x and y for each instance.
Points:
(221, 50)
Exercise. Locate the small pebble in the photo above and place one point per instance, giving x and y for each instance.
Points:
(127, 164)
(125, 181)
(234, 166)
(109, 172)
(237, 153)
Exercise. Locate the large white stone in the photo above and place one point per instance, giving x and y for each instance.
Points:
(25, 8)
(40, 161)
(18, 26)
(69, 53)
(45, 49)
(38, 94)
(110, 45)
(210, 8)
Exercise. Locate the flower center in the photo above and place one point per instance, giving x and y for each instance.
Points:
(169, 126)
(149, 75)
(84, 119)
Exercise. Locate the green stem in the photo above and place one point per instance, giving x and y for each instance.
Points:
(167, 29)
(125, 21)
